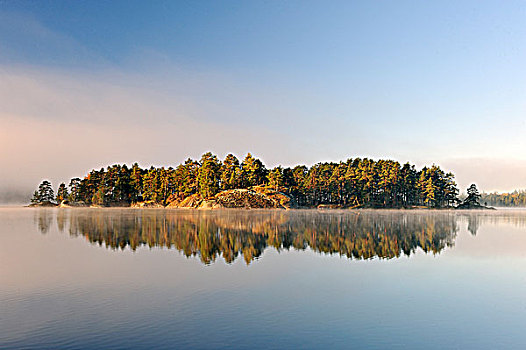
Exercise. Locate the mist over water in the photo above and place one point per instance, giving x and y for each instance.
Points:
(15, 197)
(73, 278)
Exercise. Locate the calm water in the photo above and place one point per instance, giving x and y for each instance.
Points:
(129, 278)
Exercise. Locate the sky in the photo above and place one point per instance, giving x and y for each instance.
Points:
(86, 84)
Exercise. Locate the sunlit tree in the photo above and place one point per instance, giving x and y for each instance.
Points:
(62, 193)
(209, 175)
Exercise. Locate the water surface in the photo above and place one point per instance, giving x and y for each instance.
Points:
(131, 278)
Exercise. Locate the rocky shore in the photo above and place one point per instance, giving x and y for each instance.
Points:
(238, 198)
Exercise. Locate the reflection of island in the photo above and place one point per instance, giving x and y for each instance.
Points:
(228, 234)
(43, 220)
(473, 224)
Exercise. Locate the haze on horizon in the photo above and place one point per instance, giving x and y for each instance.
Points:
(88, 84)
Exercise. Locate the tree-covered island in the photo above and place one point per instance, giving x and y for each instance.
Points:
(212, 183)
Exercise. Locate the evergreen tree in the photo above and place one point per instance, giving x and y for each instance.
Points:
(45, 192)
(36, 198)
(164, 184)
(62, 193)
(473, 195)
(451, 190)
(408, 190)
(99, 197)
(429, 192)
(337, 183)
(421, 186)
(253, 171)
(275, 178)
(186, 175)
(230, 173)
(298, 190)
(351, 182)
(136, 175)
(288, 179)
(74, 190)
(91, 184)
(149, 185)
(209, 175)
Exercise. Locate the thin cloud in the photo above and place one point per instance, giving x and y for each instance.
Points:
(59, 126)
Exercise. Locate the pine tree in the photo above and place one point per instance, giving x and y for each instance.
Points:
(74, 190)
(473, 195)
(275, 178)
(451, 190)
(186, 177)
(62, 193)
(99, 197)
(45, 192)
(429, 193)
(253, 171)
(36, 198)
(136, 175)
(299, 174)
(209, 175)
(148, 185)
(230, 173)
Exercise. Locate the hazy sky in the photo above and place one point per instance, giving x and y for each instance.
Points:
(85, 84)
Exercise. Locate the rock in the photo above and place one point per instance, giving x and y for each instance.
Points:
(243, 198)
(147, 204)
(471, 206)
(210, 204)
(43, 204)
(280, 199)
(67, 204)
(329, 206)
(174, 201)
(238, 198)
(193, 201)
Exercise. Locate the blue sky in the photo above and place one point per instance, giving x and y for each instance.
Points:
(99, 82)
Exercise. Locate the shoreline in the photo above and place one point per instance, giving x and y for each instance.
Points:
(259, 209)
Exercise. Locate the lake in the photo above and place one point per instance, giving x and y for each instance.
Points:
(262, 279)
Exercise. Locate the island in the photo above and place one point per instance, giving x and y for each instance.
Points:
(472, 201)
(210, 183)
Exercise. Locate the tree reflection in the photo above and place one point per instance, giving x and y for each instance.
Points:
(43, 219)
(229, 234)
(473, 224)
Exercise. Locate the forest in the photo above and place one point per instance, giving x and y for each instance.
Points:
(358, 182)
(512, 199)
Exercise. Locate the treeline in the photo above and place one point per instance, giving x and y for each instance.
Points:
(513, 199)
(210, 235)
(355, 182)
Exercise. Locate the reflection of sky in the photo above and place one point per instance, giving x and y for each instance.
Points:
(60, 290)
